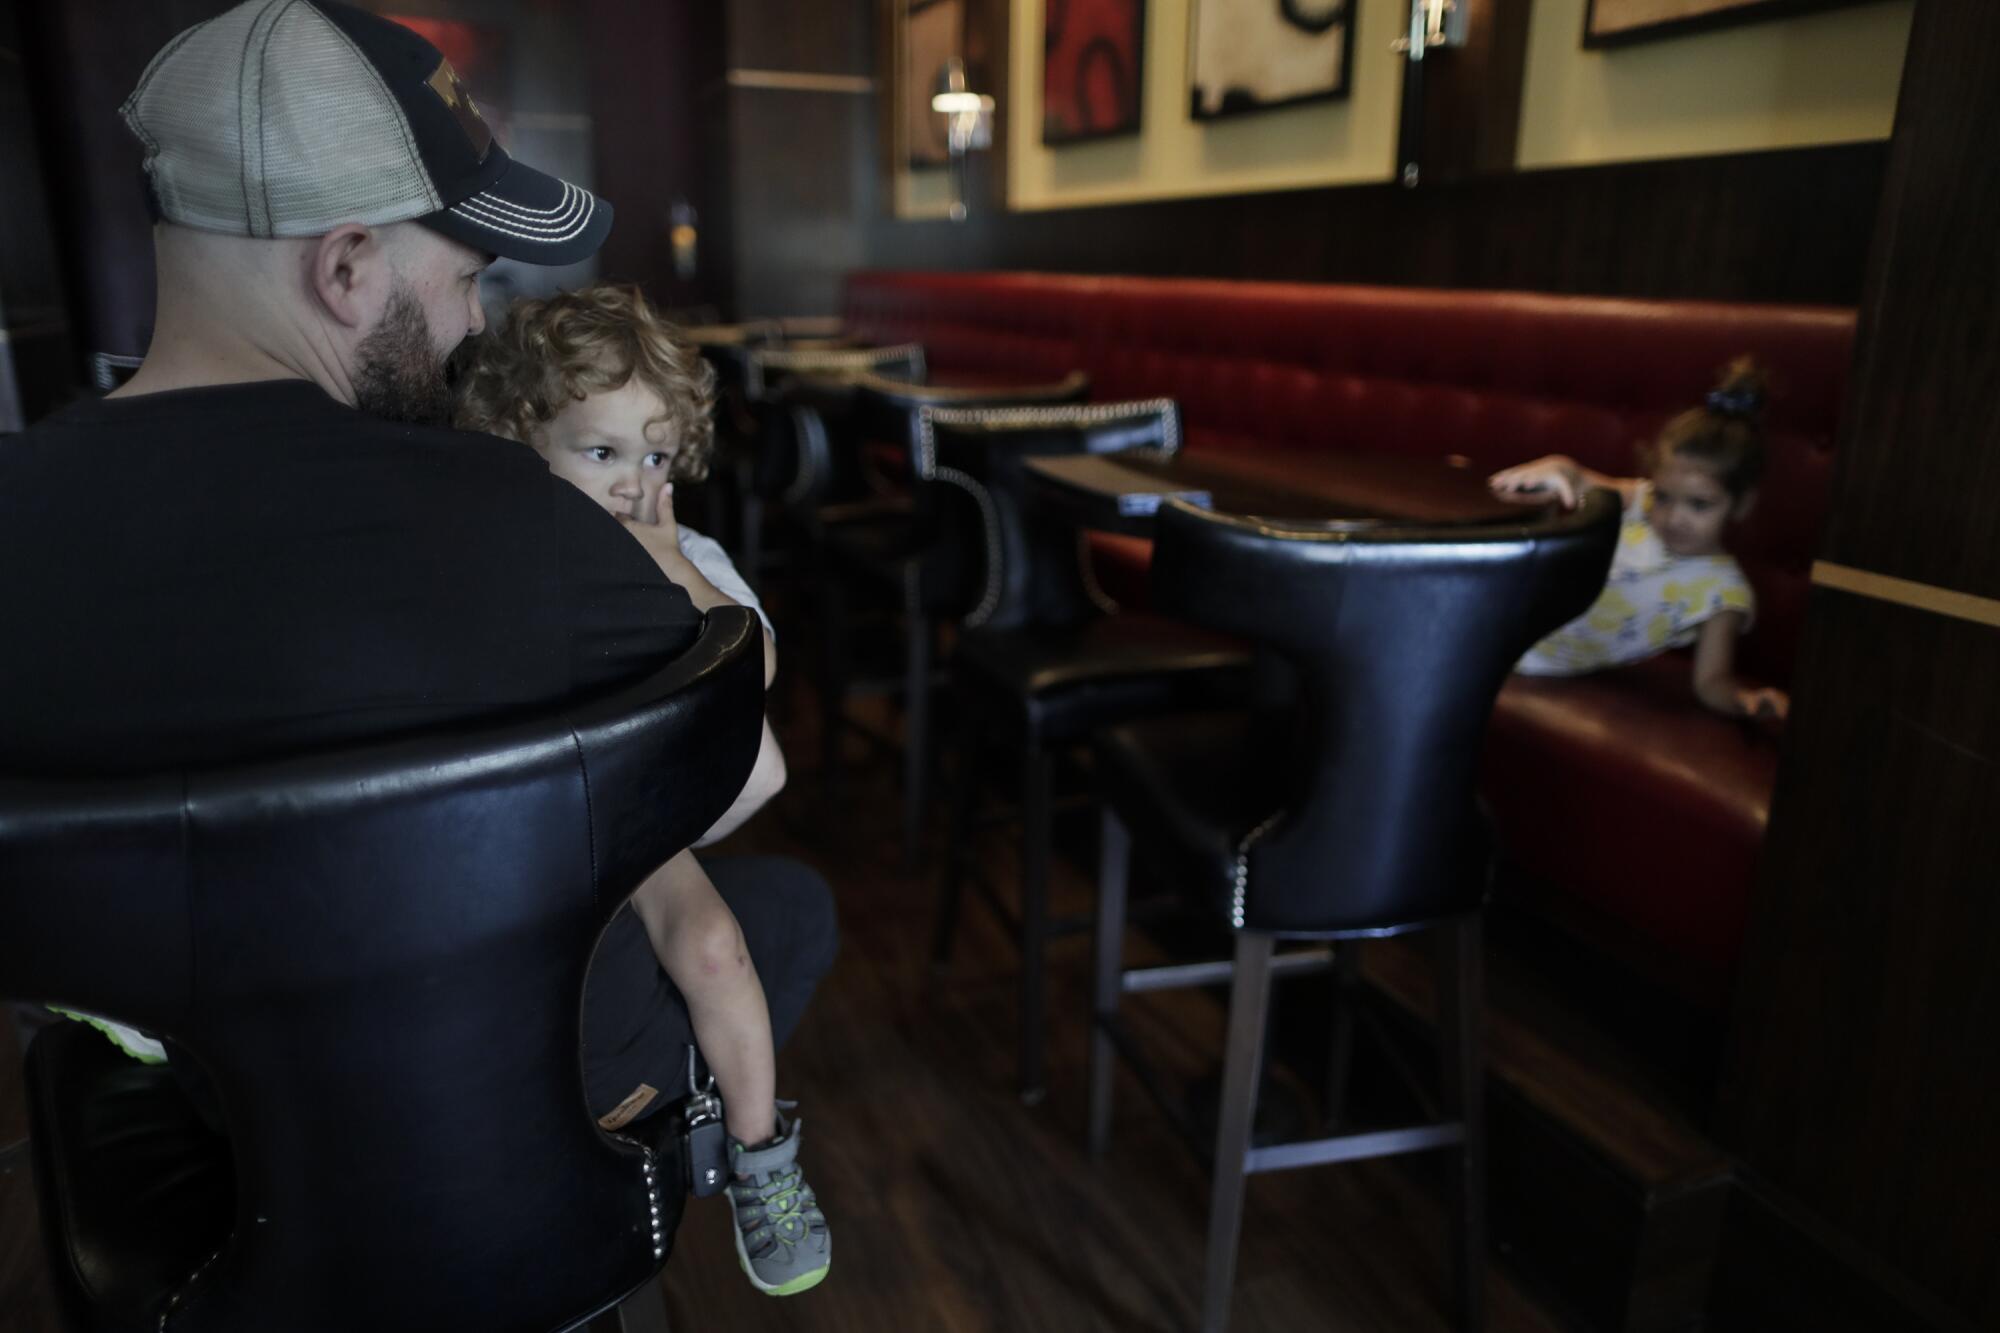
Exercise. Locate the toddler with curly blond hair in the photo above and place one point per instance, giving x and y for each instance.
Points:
(600, 386)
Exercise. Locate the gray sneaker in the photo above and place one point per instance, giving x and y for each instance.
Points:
(781, 1236)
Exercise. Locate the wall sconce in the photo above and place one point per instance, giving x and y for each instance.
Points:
(1433, 24)
(968, 125)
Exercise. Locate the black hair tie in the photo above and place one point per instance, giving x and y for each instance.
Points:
(1735, 402)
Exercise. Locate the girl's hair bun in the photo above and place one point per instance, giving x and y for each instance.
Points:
(1726, 433)
(1740, 393)
(1743, 404)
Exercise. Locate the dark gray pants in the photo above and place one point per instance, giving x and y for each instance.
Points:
(635, 1023)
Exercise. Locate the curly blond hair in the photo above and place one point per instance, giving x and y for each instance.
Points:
(552, 351)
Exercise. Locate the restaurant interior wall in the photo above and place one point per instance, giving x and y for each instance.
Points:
(37, 363)
(1817, 78)
(1730, 220)
(1347, 141)
(1863, 1087)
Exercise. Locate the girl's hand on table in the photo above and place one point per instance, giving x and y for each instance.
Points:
(1554, 477)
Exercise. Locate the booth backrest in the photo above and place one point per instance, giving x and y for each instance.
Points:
(1492, 377)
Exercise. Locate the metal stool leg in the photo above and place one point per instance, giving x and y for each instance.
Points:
(1249, 1004)
(916, 734)
(1114, 864)
(1460, 1018)
(751, 538)
(644, 1311)
(1037, 799)
(964, 803)
(1340, 1047)
(833, 679)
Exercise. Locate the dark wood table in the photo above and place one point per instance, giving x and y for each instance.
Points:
(1121, 493)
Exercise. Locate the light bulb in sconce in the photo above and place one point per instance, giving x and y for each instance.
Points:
(968, 125)
(682, 236)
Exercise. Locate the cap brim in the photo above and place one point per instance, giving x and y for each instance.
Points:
(528, 215)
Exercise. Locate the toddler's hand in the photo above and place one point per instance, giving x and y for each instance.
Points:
(660, 514)
(1534, 483)
(1764, 703)
(659, 533)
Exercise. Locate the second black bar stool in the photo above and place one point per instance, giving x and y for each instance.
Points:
(1044, 657)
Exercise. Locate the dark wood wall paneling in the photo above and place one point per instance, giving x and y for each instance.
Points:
(1864, 1084)
(1778, 226)
(37, 363)
(648, 62)
(83, 57)
(801, 165)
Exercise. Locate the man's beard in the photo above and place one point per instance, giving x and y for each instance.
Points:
(399, 375)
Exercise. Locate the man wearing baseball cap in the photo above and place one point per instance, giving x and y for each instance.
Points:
(266, 542)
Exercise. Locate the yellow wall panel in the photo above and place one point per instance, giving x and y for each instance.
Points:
(1822, 78)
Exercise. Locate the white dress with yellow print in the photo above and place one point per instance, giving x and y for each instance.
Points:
(1653, 601)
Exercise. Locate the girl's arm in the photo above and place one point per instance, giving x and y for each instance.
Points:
(1560, 477)
(1715, 681)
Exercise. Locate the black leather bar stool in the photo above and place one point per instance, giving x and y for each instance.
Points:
(1349, 815)
(735, 509)
(801, 399)
(1043, 657)
(377, 958)
(906, 554)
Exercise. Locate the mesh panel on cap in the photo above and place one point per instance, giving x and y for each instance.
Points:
(336, 147)
(268, 121)
(185, 113)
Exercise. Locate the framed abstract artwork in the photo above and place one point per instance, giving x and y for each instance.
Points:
(1259, 55)
(1093, 53)
(1253, 55)
(1616, 22)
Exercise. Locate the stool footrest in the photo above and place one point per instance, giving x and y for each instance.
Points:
(1353, 1147)
(1179, 976)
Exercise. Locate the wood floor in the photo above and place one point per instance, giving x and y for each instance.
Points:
(954, 1206)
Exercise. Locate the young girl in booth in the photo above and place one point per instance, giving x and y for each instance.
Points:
(1672, 583)
(597, 384)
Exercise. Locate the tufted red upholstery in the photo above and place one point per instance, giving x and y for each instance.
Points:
(1589, 778)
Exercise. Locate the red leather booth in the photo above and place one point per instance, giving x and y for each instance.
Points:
(1637, 814)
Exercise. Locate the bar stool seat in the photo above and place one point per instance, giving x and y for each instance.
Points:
(408, 1139)
(137, 1190)
(890, 542)
(1065, 681)
(1044, 657)
(1345, 813)
(1195, 786)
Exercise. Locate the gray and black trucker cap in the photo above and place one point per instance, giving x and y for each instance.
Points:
(290, 117)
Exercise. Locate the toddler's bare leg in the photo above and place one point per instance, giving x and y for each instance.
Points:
(701, 947)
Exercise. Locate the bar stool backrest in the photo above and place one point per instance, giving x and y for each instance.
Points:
(1400, 638)
(377, 956)
(803, 399)
(771, 368)
(1035, 570)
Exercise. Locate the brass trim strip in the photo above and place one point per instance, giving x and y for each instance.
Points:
(793, 81)
(1904, 592)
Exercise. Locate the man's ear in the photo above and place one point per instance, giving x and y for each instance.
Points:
(349, 274)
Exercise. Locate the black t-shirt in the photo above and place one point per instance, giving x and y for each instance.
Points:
(215, 575)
